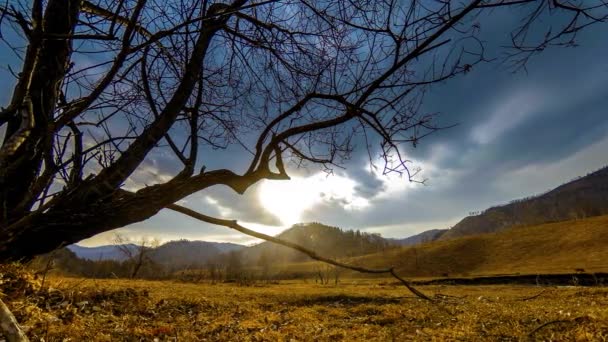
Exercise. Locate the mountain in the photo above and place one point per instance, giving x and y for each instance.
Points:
(324, 240)
(426, 236)
(108, 252)
(174, 254)
(188, 254)
(560, 247)
(583, 197)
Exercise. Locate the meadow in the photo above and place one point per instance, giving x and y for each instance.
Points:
(75, 309)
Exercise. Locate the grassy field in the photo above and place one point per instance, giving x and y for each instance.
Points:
(365, 310)
(560, 247)
(371, 309)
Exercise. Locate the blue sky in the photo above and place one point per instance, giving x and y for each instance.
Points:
(516, 134)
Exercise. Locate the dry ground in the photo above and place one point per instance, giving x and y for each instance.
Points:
(121, 310)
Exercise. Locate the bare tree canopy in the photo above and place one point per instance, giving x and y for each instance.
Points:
(106, 83)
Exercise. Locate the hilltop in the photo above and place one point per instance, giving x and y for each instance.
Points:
(184, 254)
(426, 236)
(585, 196)
(325, 240)
(106, 252)
(174, 253)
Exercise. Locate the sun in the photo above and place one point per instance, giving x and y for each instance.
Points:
(288, 200)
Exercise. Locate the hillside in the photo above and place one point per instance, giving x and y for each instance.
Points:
(581, 198)
(547, 248)
(426, 236)
(325, 240)
(187, 254)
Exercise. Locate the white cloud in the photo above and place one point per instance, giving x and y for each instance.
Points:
(225, 212)
(145, 175)
(508, 113)
(424, 170)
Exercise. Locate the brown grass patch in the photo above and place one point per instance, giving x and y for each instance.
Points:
(122, 310)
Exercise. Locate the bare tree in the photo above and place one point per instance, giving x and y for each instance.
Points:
(214, 272)
(325, 271)
(236, 271)
(264, 264)
(135, 253)
(104, 85)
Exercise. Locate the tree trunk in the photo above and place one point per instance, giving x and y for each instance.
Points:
(41, 87)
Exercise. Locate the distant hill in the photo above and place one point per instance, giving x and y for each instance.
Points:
(189, 254)
(581, 198)
(426, 236)
(561, 247)
(173, 254)
(181, 255)
(325, 240)
(107, 252)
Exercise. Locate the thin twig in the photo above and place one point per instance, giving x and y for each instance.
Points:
(531, 333)
(533, 297)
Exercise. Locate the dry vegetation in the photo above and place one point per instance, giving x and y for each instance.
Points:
(560, 247)
(72, 309)
(554, 248)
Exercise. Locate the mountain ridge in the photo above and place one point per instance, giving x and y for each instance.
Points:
(425, 236)
(160, 253)
(583, 197)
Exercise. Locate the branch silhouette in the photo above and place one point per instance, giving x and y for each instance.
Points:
(233, 224)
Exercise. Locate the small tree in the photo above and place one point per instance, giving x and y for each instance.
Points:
(325, 272)
(234, 267)
(264, 263)
(213, 272)
(136, 254)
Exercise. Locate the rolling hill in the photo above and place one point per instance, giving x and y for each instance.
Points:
(325, 240)
(179, 253)
(561, 247)
(584, 197)
(189, 254)
(426, 236)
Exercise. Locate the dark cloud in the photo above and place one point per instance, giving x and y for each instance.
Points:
(368, 184)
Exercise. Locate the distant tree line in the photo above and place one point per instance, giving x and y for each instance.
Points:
(265, 262)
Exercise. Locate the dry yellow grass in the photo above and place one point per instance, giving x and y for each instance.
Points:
(558, 247)
(123, 310)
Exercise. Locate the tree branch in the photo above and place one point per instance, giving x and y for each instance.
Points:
(233, 224)
(10, 326)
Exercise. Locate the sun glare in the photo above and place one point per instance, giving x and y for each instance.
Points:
(288, 200)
